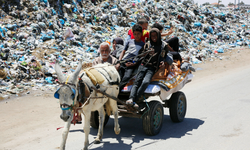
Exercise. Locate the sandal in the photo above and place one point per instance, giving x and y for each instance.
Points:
(129, 102)
(136, 106)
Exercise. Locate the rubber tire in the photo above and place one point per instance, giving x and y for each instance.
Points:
(174, 109)
(148, 118)
(94, 120)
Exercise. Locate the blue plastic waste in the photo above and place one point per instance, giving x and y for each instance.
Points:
(80, 44)
(52, 33)
(1, 30)
(222, 14)
(220, 50)
(60, 58)
(196, 61)
(46, 37)
(54, 47)
(12, 27)
(50, 24)
(62, 21)
(35, 8)
(219, 34)
(197, 24)
(198, 38)
(74, 9)
(21, 59)
(53, 12)
(159, 6)
(210, 30)
(131, 24)
(49, 79)
(191, 33)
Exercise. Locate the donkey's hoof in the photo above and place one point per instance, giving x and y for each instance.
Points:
(97, 142)
(118, 131)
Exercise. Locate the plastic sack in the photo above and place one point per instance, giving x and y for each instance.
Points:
(22, 58)
(68, 35)
(46, 37)
(220, 50)
(62, 21)
(204, 35)
(197, 24)
(49, 79)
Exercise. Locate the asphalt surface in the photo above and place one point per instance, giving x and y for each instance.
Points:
(217, 118)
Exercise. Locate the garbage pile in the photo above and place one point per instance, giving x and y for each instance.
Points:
(36, 33)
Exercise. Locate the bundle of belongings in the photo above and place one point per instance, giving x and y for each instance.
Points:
(94, 75)
(98, 74)
(177, 73)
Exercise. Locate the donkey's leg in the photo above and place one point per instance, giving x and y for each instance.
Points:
(86, 128)
(65, 133)
(101, 123)
(113, 105)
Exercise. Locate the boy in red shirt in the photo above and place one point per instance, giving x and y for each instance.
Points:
(145, 34)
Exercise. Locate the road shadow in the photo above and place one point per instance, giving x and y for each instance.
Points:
(131, 128)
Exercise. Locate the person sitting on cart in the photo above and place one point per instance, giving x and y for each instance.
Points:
(173, 42)
(118, 46)
(128, 57)
(145, 34)
(149, 65)
(105, 56)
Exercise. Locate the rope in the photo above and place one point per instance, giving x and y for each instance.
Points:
(122, 61)
(147, 106)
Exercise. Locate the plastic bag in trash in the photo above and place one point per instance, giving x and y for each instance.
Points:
(68, 35)
(49, 79)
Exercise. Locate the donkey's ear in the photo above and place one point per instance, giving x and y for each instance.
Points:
(73, 77)
(59, 73)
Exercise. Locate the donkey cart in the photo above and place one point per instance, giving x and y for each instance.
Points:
(151, 111)
(75, 90)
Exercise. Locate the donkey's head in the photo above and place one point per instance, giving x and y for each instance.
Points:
(66, 93)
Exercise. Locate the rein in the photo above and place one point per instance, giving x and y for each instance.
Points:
(125, 60)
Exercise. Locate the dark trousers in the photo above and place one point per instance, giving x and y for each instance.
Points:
(174, 44)
(125, 75)
(141, 82)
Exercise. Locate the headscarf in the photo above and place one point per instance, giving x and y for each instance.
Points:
(118, 40)
(158, 43)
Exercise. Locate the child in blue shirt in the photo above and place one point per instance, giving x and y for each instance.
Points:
(132, 48)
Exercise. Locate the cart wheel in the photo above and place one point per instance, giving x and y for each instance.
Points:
(94, 120)
(178, 107)
(152, 120)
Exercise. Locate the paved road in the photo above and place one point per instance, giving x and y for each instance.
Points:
(217, 118)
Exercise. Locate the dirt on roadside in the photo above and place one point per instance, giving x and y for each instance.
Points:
(230, 61)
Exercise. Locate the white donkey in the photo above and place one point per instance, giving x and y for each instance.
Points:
(68, 94)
